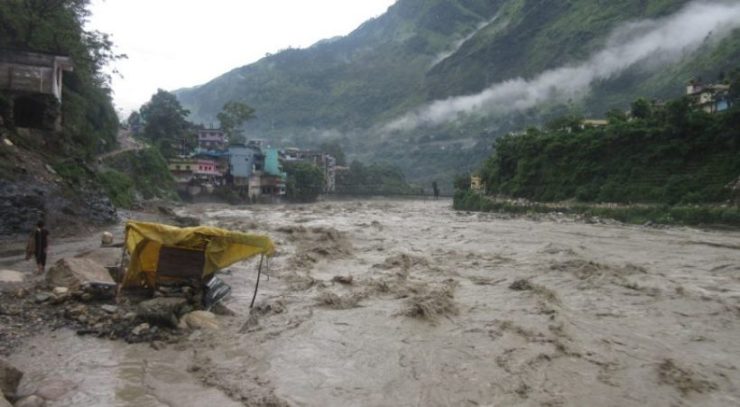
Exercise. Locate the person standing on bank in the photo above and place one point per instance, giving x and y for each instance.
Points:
(41, 244)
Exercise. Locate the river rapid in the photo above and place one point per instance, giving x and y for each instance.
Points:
(410, 303)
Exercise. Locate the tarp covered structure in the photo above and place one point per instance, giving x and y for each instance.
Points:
(221, 248)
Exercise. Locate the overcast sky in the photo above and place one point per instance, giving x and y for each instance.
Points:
(181, 43)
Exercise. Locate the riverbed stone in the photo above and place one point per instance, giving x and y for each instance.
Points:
(105, 256)
(75, 272)
(140, 329)
(10, 377)
(111, 309)
(106, 239)
(161, 310)
(11, 277)
(43, 297)
(60, 291)
(199, 320)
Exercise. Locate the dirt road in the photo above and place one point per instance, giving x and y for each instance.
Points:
(410, 303)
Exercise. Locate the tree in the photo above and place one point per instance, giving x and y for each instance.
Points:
(335, 150)
(90, 121)
(167, 127)
(734, 92)
(233, 115)
(305, 181)
(616, 116)
(134, 122)
(567, 123)
(641, 109)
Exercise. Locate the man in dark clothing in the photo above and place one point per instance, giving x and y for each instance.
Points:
(41, 243)
(435, 189)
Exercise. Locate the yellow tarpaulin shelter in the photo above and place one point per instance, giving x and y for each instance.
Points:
(221, 248)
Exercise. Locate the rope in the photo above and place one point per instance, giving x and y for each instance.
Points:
(256, 286)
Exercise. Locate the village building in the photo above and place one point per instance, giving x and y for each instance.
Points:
(33, 83)
(220, 158)
(585, 123)
(269, 182)
(212, 139)
(243, 160)
(711, 98)
(182, 169)
(195, 175)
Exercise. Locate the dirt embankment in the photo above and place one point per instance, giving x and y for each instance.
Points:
(31, 189)
(410, 303)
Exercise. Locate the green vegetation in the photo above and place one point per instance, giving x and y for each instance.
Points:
(232, 117)
(670, 155)
(665, 164)
(147, 174)
(119, 187)
(350, 86)
(166, 126)
(305, 181)
(334, 149)
(373, 179)
(90, 121)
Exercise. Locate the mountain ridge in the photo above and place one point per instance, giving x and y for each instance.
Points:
(348, 88)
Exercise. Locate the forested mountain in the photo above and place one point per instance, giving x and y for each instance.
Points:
(523, 62)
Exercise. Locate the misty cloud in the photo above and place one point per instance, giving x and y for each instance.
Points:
(655, 41)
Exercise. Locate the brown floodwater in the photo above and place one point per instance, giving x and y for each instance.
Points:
(394, 302)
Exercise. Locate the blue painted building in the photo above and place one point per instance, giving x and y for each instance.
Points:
(243, 161)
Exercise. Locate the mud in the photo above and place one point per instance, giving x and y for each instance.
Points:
(409, 303)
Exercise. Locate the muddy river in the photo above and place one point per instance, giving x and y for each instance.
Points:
(409, 303)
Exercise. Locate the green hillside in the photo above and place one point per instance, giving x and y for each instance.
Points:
(348, 88)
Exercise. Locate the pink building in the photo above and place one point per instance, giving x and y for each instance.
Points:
(206, 167)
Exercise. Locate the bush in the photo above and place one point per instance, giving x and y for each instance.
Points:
(305, 181)
(148, 170)
(119, 187)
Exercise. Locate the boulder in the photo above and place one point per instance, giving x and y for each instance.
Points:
(60, 291)
(4, 402)
(11, 277)
(111, 309)
(199, 320)
(162, 310)
(106, 239)
(105, 256)
(76, 272)
(141, 329)
(10, 377)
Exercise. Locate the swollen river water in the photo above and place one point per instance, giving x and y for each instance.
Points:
(380, 302)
